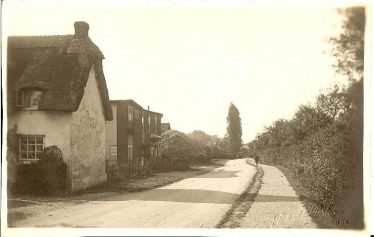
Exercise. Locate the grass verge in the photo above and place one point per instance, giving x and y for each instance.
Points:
(154, 181)
(320, 216)
(242, 205)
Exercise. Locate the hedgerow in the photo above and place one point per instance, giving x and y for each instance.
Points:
(322, 149)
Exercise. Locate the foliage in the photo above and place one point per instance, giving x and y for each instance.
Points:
(234, 129)
(349, 45)
(318, 149)
(222, 148)
(334, 103)
(244, 152)
(322, 144)
(51, 154)
(47, 176)
(175, 143)
(202, 138)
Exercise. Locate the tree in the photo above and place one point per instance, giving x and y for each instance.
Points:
(349, 51)
(349, 45)
(234, 129)
(201, 137)
(307, 120)
(176, 143)
(334, 103)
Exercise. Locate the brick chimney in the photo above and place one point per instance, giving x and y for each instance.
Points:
(81, 29)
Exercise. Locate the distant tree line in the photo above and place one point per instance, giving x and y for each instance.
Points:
(199, 146)
(323, 143)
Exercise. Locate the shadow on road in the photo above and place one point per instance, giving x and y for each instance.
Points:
(272, 198)
(175, 195)
(219, 174)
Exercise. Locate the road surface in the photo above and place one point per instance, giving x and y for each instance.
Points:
(195, 202)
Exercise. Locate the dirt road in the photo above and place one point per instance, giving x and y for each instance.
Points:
(200, 201)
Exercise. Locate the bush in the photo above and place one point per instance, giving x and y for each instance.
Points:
(178, 144)
(47, 176)
(322, 162)
(324, 154)
(51, 154)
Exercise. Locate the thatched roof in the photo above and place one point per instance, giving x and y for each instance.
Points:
(59, 65)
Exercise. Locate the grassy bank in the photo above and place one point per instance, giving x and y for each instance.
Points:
(321, 216)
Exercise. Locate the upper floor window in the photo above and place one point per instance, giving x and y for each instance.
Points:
(149, 124)
(156, 125)
(130, 115)
(29, 99)
(30, 147)
(130, 147)
(143, 135)
(136, 114)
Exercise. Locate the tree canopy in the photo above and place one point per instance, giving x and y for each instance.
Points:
(234, 129)
(349, 45)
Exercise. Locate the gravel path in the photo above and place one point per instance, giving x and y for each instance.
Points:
(276, 205)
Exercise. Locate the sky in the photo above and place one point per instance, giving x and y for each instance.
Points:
(191, 62)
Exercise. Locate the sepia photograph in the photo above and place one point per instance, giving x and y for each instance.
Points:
(186, 117)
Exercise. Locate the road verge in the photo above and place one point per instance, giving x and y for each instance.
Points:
(242, 205)
(324, 218)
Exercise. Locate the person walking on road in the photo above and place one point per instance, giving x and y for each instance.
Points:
(257, 158)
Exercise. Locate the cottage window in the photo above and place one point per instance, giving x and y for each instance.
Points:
(29, 99)
(130, 148)
(130, 115)
(31, 147)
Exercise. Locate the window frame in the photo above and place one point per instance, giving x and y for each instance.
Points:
(156, 121)
(143, 130)
(130, 147)
(130, 115)
(20, 151)
(113, 153)
(136, 112)
(23, 95)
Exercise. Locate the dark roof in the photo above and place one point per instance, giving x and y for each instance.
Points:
(166, 124)
(134, 103)
(155, 112)
(60, 65)
(126, 101)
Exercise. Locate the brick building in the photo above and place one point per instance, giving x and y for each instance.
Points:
(132, 138)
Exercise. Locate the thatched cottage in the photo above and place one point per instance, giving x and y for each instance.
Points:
(57, 95)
